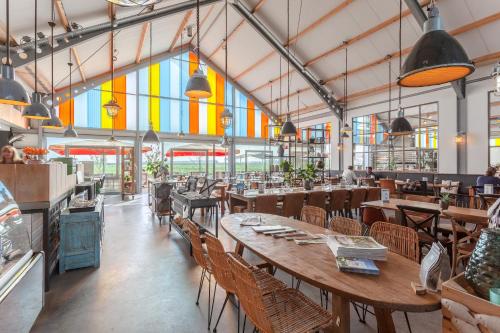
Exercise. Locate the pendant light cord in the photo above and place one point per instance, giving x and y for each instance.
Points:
(7, 39)
(150, 64)
(400, 47)
(70, 91)
(36, 45)
(52, 24)
(288, 53)
(345, 90)
(390, 90)
(225, 50)
(112, 56)
(198, 31)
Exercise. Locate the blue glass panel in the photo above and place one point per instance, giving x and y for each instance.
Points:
(229, 102)
(175, 92)
(243, 115)
(94, 107)
(165, 91)
(184, 104)
(81, 114)
(143, 100)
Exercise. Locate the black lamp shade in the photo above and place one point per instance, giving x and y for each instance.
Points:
(150, 137)
(54, 122)
(401, 126)
(288, 129)
(436, 58)
(37, 110)
(198, 86)
(70, 132)
(11, 91)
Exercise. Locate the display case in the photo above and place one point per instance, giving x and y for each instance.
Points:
(15, 244)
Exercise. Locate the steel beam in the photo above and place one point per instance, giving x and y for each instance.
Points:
(74, 37)
(271, 38)
(419, 15)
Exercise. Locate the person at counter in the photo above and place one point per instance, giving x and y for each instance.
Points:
(9, 155)
(488, 178)
(349, 176)
(370, 173)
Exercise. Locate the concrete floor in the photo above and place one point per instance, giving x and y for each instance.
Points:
(147, 282)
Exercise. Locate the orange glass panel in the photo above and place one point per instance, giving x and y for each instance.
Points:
(435, 76)
(66, 112)
(250, 119)
(194, 107)
(264, 123)
(121, 98)
(219, 98)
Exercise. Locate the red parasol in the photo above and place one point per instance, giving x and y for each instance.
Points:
(60, 149)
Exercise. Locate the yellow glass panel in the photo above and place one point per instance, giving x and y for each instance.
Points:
(211, 107)
(154, 90)
(106, 121)
(497, 142)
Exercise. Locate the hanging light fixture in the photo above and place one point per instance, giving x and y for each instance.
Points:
(198, 86)
(70, 131)
(288, 129)
(226, 117)
(436, 58)
(54, 122)
(400, 125)
(11, 91)
(345, 129)
(496, 77)
(37, 110)
(150, 136)
(112, 107)
(133, 3)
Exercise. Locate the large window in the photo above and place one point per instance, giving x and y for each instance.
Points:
(373, 146)
(494, 129)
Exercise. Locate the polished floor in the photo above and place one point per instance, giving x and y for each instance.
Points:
(147, 282)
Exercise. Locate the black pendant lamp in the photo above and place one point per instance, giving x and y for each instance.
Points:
(54, 122)
(11, 91)
(37, 110)
(436, 58)
(400, 125)
(288, 129)
(346, 129)
(150, 136)
(70, 131)
(198, 86)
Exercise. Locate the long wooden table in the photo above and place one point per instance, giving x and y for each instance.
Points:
(316, 265)
(476, 214)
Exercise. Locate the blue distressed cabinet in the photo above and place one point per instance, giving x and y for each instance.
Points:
(81, 238)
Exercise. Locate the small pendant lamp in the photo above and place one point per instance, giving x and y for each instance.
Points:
(54, 122)
(345, 130)
(436, 58)
(37, 110)
(11, 91)
(70, 131)
(112, 107)
(198, 86)
(226, 117)
(288, 129)
(150, 136)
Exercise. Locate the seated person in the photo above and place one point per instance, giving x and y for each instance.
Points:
(488, 178)
(370, 173)
(349, 176)
(9, 155)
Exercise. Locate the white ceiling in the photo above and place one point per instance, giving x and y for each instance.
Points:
(247, 47)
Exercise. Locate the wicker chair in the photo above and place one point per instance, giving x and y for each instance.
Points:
(358, 196)
(317, 199)
(337, 202)
(390, 184)
(464, 239)
(266, 204)
(201, 258)
(284, 310)
(314, 215)
(292, 204)
(224, 278)
(345, 226)
(373, 193)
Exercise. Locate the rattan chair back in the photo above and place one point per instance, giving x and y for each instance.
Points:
(399, 239)
(195, 237)
(266, 204)
(358, 196)
(292, 204)
(345, 226)
(219, 263)
(313, 215)
(337, 199)
(317, 199)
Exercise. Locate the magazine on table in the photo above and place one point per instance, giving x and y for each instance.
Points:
(355, 265)
(362, 247)
(264, 228)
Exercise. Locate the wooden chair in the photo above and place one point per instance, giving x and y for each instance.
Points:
(420, 198)
(345, 226)
(284, 310)
(314, 215)
(373, 193)
(371, 215)
(292, 204)
(266, 204)
(317, 199)
(357, 198)
(337, 202)
(201, 258)
(464, 238)
(219, 260)
(390, 184)
(368, 182)
(486, 200)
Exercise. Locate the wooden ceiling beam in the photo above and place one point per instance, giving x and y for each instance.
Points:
(295, 38)
(237, 28)
(138, 54)
(180, 29)
(355, 39)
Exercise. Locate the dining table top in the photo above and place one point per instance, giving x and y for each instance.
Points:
(393, 203)
(316, 265)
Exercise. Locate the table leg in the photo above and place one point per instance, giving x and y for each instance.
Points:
(239, 248)
(384, 320)
(222, 201)
(341, 315)
(216, 221)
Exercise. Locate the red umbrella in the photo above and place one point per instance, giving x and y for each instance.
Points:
(187, 153)
(60, 149)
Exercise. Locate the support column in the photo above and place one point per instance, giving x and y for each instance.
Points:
(462, 130)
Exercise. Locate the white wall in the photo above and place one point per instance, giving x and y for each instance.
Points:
(477, 122)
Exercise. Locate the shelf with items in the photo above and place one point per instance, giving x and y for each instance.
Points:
(128, 171)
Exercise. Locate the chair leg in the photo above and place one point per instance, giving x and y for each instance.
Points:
(244, 323)
(238, 316)
(209, 296)
(221, 311)
(202, 279)
(407, 321)
(212, 309)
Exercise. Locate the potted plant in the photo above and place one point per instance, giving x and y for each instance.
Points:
(445, 201)
(156, 165)
(308, 176)
(285, 166)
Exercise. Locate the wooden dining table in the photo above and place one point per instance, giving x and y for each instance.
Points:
(315, 264)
